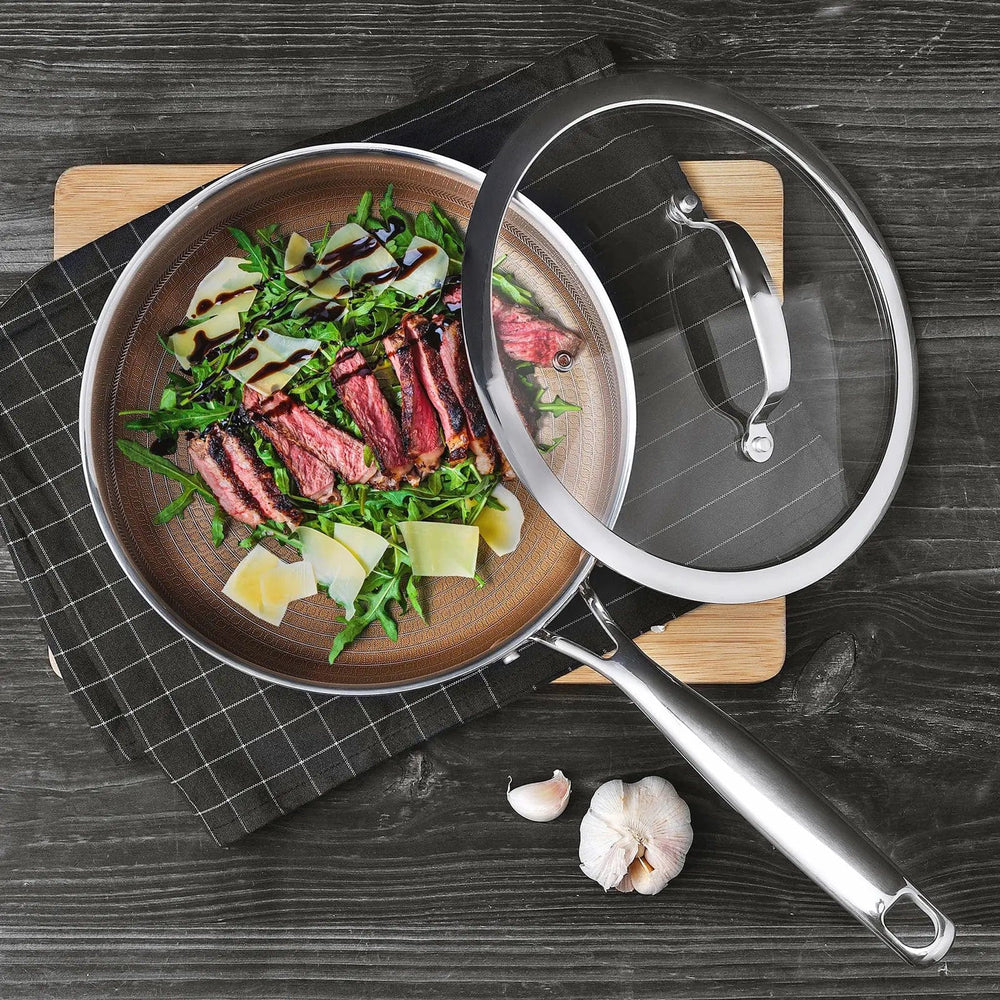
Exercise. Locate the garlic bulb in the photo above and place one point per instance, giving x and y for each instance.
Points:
(540, 801)
(635, 836)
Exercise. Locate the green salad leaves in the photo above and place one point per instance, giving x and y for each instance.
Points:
(194, 400)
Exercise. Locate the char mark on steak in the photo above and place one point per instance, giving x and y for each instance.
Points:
(419, 424)
(525, 335)
(255, 476)
(360, 392)
(419, 332)
(214, 467)
(243, 485)
(456, 366)
(341, 451)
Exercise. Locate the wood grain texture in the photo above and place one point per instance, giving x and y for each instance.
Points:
(416, 880)
(717, 644)
(92, 199)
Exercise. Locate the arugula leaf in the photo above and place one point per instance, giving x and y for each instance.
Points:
(247, 245)
(218, 526)
(377, 607)
(176, 507)
(556, 405)
(413, 597)
(544, 449)
(504, 283)
(363, 212)
(157, 463)
(182, 418)
(429, 228)
(193, 485)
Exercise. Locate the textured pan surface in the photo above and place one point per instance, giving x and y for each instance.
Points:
(176, 565)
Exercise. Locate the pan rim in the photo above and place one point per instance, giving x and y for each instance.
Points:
(508, 650)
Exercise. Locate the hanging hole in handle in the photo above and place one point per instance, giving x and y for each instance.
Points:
(909, 923)
(910, 913)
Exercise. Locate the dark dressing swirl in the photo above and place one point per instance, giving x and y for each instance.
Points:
(204, 343)
(223, 297)
(274, 367)
(396, 226)
(341, 257)
(251, 354)
(329, 310)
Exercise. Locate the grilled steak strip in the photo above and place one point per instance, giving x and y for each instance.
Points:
(421, 431)
(362, 395)
(316, 479)
(341, 451)
(211, 461)
(418, 331)
(255, 476)
(456, 366)
(525, 335)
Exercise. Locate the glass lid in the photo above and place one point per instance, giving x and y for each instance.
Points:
(762, 379)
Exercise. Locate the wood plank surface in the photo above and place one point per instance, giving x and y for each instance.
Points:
(416, 880)
(92, 199)
(717, 644)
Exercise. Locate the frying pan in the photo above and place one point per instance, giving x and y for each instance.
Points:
(180, 574)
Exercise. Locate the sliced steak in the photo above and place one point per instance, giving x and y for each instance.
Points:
(256, 477)
(341, 451)
(316, 479)
(456, 366)
(214, 466)
(360, 392)
(420, 333)
(525, 335)
(421, 430)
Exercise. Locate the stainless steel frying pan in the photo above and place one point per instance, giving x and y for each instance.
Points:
(179, 572)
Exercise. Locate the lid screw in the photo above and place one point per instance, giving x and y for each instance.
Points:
(760, 447)
(562, 361)
(688, 203)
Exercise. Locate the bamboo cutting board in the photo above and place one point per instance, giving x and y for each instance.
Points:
(715, 643)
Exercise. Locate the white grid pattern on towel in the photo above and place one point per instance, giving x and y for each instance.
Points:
(90, 640)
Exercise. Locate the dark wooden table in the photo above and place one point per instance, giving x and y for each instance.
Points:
(416, 880)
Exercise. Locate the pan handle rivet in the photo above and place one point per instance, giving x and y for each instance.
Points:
(562, 361)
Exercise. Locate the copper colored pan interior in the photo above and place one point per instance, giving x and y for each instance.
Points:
(177, 565)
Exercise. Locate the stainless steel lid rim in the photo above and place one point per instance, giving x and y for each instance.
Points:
(506, 174)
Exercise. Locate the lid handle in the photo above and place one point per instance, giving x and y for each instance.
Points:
(751, 275)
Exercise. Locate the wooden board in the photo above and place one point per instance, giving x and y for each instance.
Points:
(715, 643)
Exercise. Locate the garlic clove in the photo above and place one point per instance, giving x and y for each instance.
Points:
(541, 801)
(635, 836)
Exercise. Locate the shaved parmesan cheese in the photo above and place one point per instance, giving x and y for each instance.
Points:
(209, 333)
(501, 529)
(439, 549)
(335, 566)
(226, 288)
(282, 584)
(424, 268)
(270, 359)
(301, 266)
(366, 546)
(358, 257)
(243, 585)
(264, 585)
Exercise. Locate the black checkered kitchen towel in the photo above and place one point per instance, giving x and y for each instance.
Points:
(242, 751)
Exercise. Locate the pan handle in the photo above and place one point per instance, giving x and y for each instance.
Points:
(793, 817)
